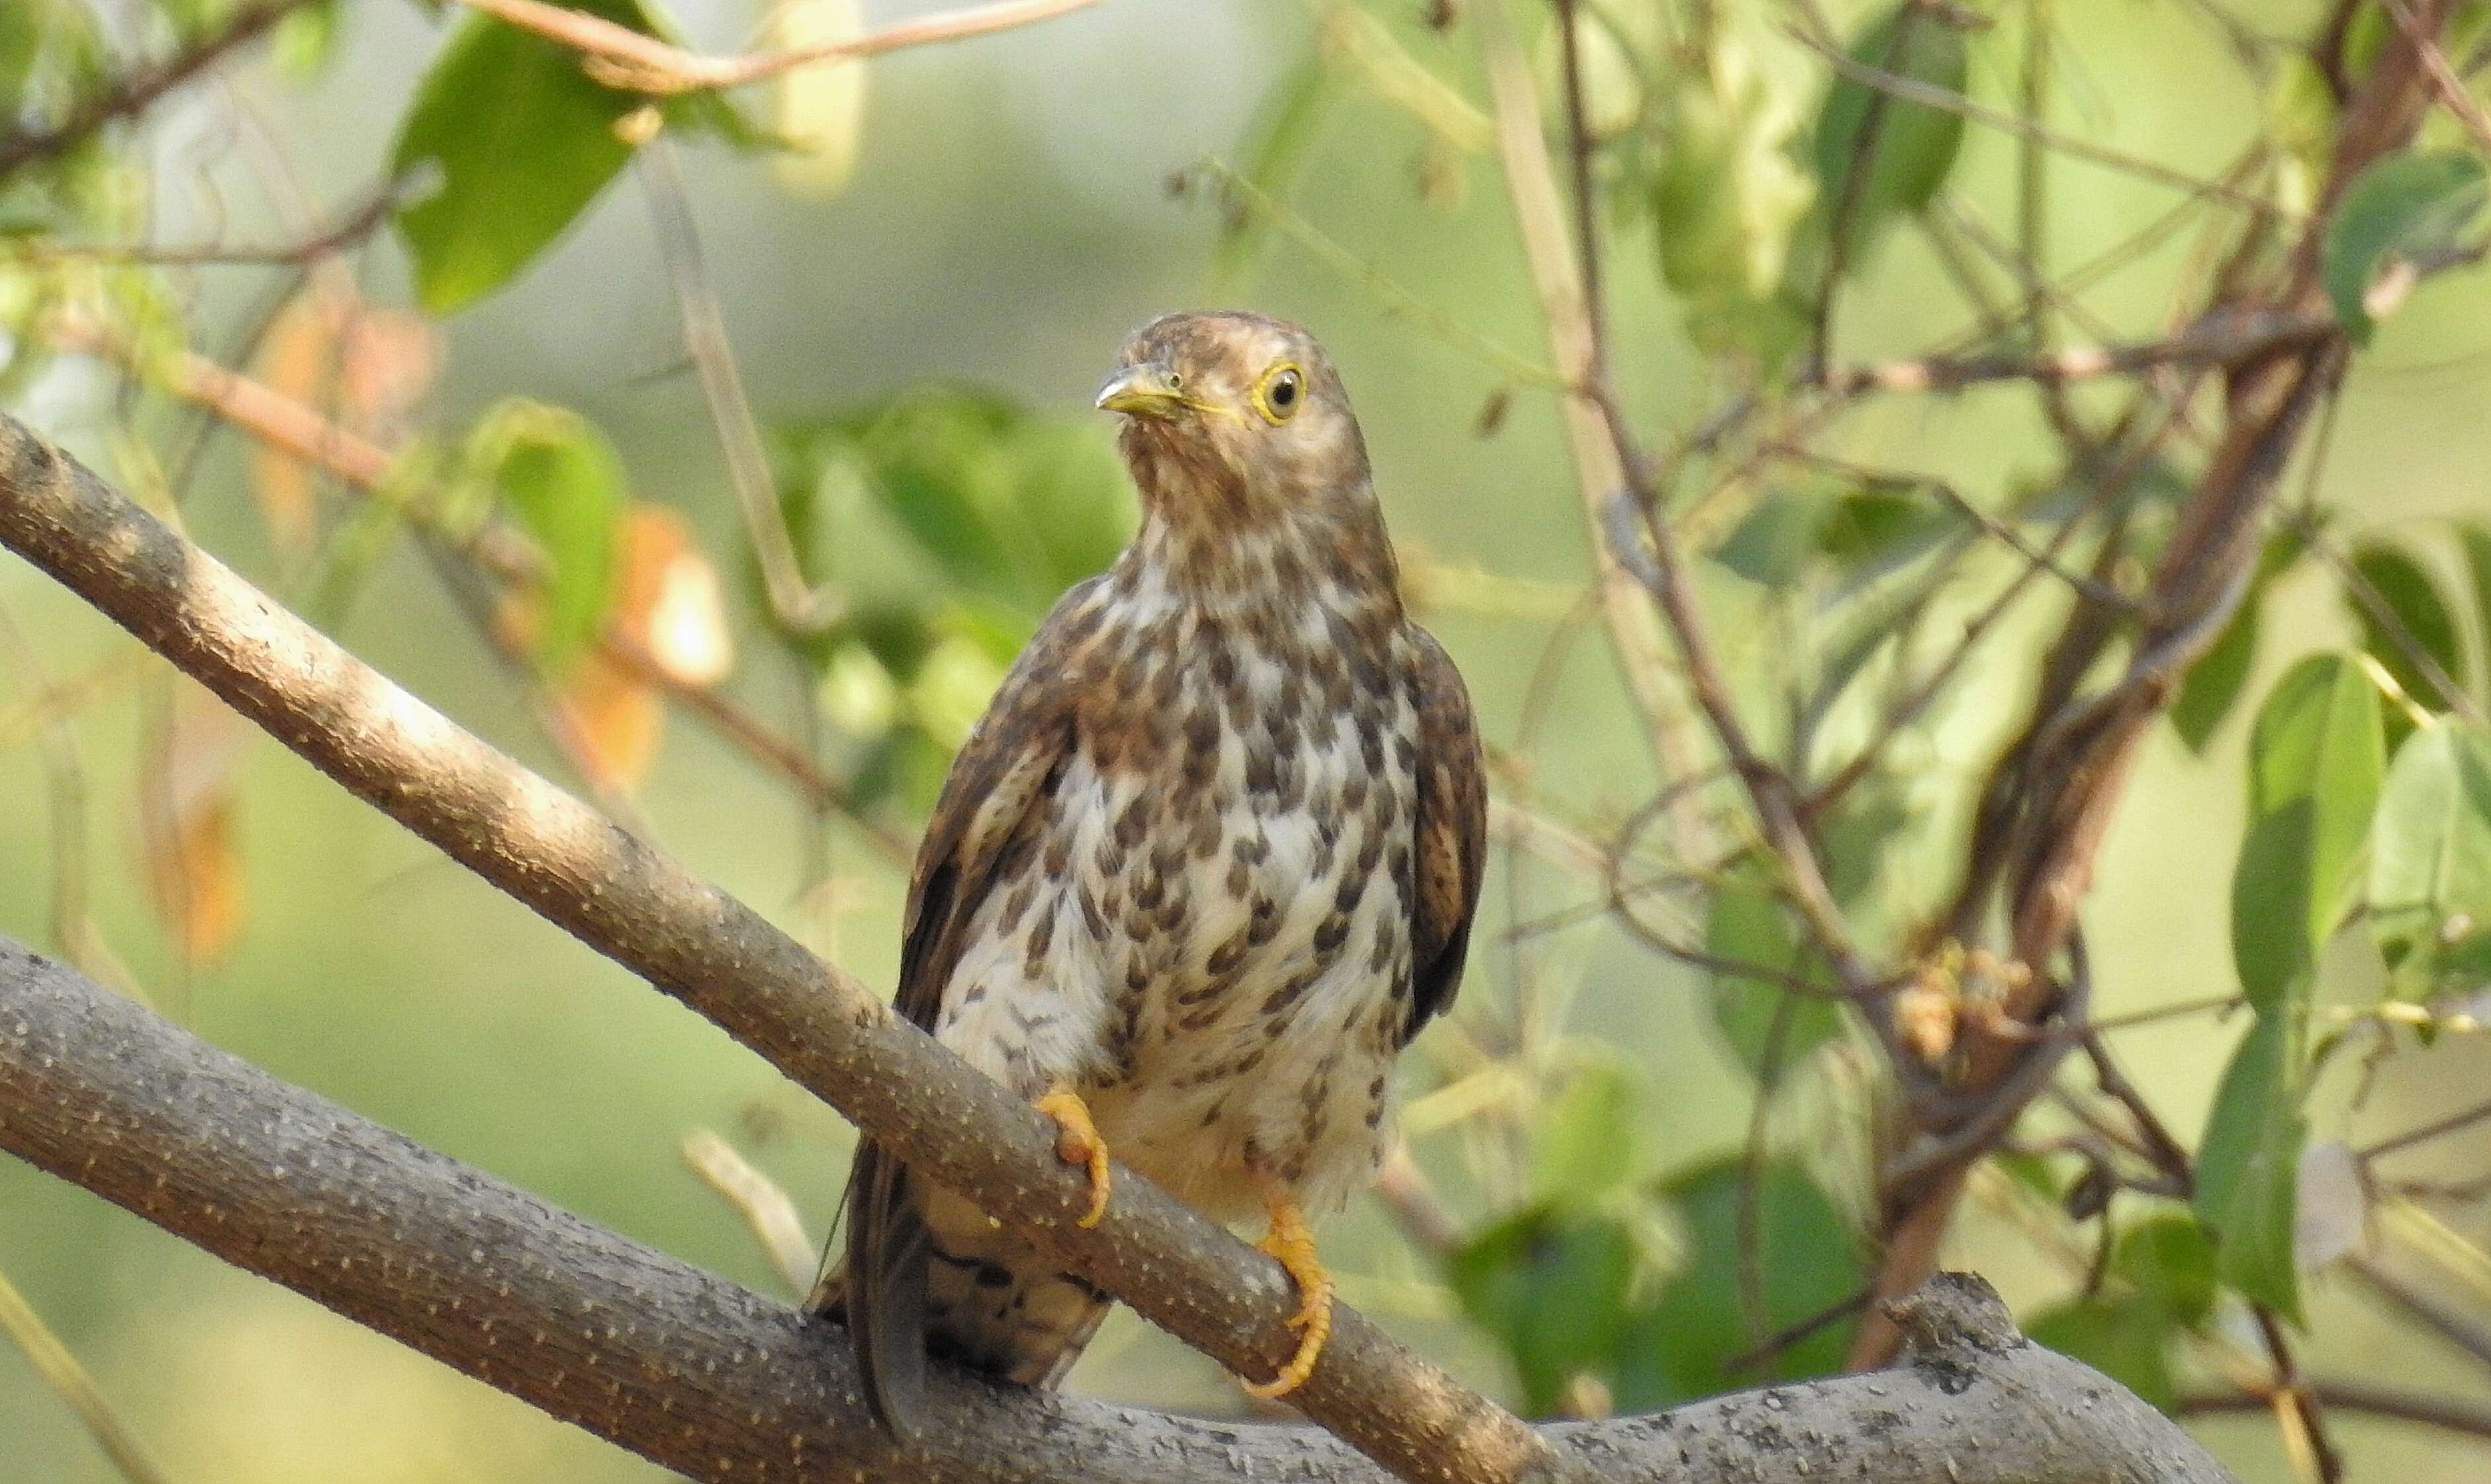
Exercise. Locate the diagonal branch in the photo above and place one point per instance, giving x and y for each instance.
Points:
(136, 92)
(705, 1378)
(2049, 800)
(822, 1029)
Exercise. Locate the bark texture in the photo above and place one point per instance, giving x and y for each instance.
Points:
(720, 1383)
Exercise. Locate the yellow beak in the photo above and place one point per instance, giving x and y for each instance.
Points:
(1143, 392)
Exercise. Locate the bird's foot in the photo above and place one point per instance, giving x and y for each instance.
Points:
(1293, 1242)
(1078, 1144)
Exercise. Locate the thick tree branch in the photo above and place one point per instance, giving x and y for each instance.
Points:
(707, 1378)
(822, 1029)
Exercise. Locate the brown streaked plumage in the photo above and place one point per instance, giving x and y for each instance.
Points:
(1207, 864)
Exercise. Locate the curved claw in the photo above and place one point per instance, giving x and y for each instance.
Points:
(1079, 1144)
(1293, 1243)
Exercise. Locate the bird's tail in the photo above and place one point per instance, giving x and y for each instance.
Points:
(926, 1272)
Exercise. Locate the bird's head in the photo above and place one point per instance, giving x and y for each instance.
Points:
(1237, 419)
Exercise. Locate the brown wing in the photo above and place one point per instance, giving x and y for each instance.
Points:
(1010, 762)
(1452, 828)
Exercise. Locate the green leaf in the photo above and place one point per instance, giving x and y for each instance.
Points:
(932, 459)
(1779, 536)
(1585, 1140)
(2430, 852)
(1750, 926)
(2409, 593)
(1724, 196)
(2169, 1262)
(2214, 683)
(519, 140)
(1551, 1286)
(2315, 761)
(2408, 205)
(1914, 145)
(21, 38)
(1677, 1348)
(2248, 1165)
(1070, 493)
(1861, 532)
(565, 483)
(2124, 1338)
(2477, 542)
(307, 39)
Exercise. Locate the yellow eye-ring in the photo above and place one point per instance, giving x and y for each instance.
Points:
(1278, 395)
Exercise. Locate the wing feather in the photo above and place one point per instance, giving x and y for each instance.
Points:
(1002, 772)
(1451, 831)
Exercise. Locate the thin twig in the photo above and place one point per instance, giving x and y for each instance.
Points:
(137, 90)
(2293, 1401)
(1912, 90)
(69, 1380)
(637, 62)
(2448, 1413)
(1398, 301)
(502, 551)
(74, 925)
(766, 1209)
(2436, 1128)
(800, 607)
(346, 232)
(2218, 341)
(1618, 491)
(2445, 83)
(1556, 277)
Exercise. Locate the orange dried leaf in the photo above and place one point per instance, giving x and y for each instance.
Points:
(298, 356)
(617, 722)
(668, 603)
(188, 824)
(387, 361)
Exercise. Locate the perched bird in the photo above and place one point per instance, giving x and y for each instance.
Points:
(1206, 865)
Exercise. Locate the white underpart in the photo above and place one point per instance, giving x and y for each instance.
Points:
(1220, 1144)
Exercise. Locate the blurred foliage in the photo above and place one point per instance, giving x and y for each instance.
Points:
(1653, 1172)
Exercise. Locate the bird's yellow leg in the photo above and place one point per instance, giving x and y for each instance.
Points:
(1078, 1144)
(1291, 1240)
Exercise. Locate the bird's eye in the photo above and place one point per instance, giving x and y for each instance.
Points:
(1278, 395)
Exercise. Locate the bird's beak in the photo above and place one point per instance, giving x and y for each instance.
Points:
(1143, 392)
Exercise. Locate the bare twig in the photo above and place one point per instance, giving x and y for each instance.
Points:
(137, 90)
(2220, 341)
(2447, 1413)
(767, 1212)
(1618, 494)
(502, 551)
(2436, 1128)
(1912, 90)
(799, 607)
(70, 1382)
(2425, 1306)
(1573, 344)
(346, 232)
(2445, 84)
(637, 62)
